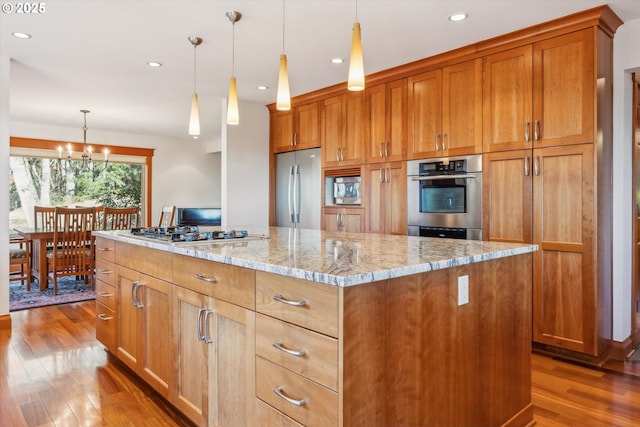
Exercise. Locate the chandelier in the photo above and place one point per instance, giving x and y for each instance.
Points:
(74, 166)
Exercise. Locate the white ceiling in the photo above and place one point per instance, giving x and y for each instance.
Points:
(90, 54)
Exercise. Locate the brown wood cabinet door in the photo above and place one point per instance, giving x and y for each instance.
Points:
(343, 219)
(353, 129)
(507, 192)
(385, 118)
(190, 354)
(564, 297)
(396, 198)
(331, 131)
(424, 116)
(376, 200)
(462, 108)
(307, 126)
(563, 83)
(507, 100)
(129, 330)
(156, 362)
(281, 131)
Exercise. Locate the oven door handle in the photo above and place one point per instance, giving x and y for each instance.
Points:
(437, 177)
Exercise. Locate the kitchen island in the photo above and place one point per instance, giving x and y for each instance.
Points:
(294, 327)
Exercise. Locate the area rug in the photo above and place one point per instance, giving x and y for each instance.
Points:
(69, 290)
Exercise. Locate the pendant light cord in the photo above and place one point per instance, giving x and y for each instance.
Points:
(233, 50)
(194, 67)
(283, 26)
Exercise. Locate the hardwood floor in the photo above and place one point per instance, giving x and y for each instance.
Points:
(54, 373)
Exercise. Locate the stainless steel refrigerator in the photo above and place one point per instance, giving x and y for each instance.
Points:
(298, 189)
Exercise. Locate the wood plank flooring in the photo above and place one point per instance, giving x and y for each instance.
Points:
(54, 373)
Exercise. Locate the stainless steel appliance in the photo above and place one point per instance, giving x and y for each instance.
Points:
(299, 189)
(346, 190)
(444, 197)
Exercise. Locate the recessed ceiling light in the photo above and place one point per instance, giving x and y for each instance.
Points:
(337, 60)
(21, 35)
(263, 87)
(154, 64)
(457, 17)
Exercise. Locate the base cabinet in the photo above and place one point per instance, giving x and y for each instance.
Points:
(349, 220)
(386, 198)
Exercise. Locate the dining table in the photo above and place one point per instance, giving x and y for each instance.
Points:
(39, 239)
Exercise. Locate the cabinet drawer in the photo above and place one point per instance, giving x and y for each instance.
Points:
(106, 294)
(269, 417)
(319, 362)
(106, 326)
(320, 406)
(106, 271)
(105, 249)
(307, 304)
(226, 282)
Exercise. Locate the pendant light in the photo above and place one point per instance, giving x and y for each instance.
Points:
(283, 100)
(356, 63)
(194, 121)
(233, 115)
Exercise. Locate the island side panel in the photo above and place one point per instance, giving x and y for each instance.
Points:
(412, 356)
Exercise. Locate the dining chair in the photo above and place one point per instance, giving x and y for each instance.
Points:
(166, 216)
(20, 256)
(121, 218)
(44, 217)
(73, 249)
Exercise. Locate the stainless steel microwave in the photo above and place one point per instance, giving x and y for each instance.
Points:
(346, 190)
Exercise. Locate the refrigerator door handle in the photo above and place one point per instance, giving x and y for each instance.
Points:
(296, 194)
(290, 194)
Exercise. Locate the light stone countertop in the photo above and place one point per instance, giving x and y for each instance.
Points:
(338, 259)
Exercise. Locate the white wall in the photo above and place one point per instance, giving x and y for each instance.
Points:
(183, 174)
(4, 184)
(626, 59)
(245, 169)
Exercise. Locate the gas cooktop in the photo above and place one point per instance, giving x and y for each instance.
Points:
(190, 233)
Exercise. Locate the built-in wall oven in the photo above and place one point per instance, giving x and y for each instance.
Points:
(444, 197)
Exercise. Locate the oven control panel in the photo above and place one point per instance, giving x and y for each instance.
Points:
(443, 168)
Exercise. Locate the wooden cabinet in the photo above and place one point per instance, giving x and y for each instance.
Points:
(445, 111)
(541, 94)
(386, 198)
(350, 220)
(106, 308)
(144, 327)
(296, 129)
(342, 130)
(385, 118)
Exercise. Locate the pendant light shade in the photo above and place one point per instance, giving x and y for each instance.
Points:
(283, 101)
(356, 63)
(194, 121)
(233, 116)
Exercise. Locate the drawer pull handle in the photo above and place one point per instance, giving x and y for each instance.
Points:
(103, 271)
(282, 299)
(298, 353)
(205, 278)
(278, 391)
(104, 317)
(105, 294)
(104, 249)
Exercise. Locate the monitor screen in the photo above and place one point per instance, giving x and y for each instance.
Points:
(199, 216)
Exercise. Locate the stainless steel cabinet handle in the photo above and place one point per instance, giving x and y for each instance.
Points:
(342, 154)
(387, 172)
(386, 148)
(444, 141)
(283, 300)
(380, 178)
(437, 141)
(381, 144)
(199, 324)
(136, 299)
(298, 353)
(536, 131)
(200, 276)
(105, 294)
(104, 249)
(295, 139)
(296, 402)
(103, 271)
(207, 335)
(536, 166)
(527, 132)
(526, 166)
(134, 285)
(104, 317)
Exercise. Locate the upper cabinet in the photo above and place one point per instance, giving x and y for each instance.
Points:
(386, 129)
(541, 94)
(445, 111)
(296, 129)
(342, 130)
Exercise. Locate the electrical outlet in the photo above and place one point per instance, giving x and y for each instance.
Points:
(463, 290)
